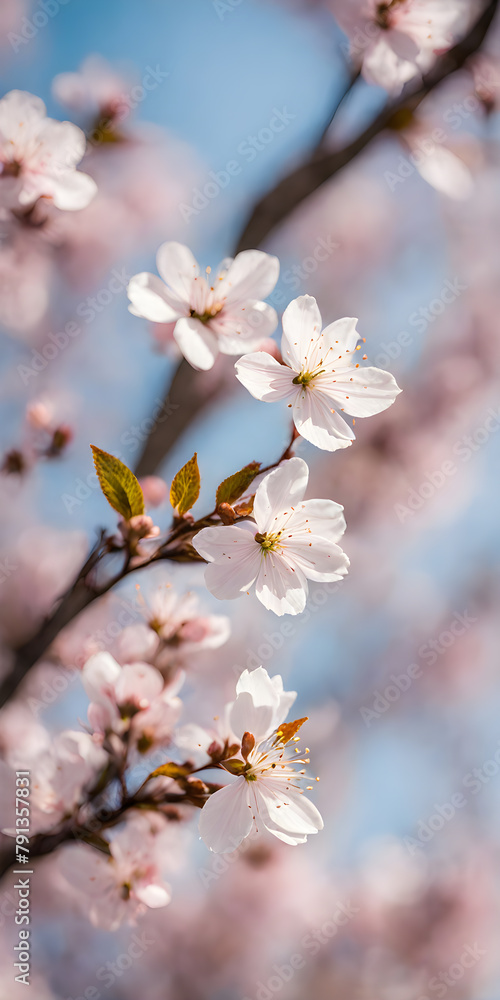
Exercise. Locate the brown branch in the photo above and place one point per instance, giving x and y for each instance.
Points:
(321, 166)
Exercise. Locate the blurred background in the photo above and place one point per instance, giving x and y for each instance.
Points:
(397, 669)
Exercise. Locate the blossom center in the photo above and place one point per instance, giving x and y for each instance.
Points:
(383, 13)
(305, 378)
(209, 313)
(267, 542)
(12, 169)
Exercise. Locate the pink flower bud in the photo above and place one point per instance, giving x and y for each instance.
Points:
(39, 416)
(155, 490)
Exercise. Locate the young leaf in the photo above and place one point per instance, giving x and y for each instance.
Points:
(185, 488)
(170, 770)
(232, 487)
(118, 483)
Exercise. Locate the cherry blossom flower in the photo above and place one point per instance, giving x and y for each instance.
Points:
(38, 156)
(60, 770)
(266, 792)
(256, 693)
(132, 695)
(320, 376)
(120, 888)
(295, 541)
(178, 622)
(399, 39)
(96, 89)
(225, 315)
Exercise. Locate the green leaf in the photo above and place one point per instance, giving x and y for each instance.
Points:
(170, 770)
(185, 488)
(235, 766)
(118, 483)
(232, 487)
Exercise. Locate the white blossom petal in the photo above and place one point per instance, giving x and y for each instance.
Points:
(227, 817)
(365, 392)
(197, 343)
(237, 558)
(285, 812)
(241, 326)
(318, 422)
(279, 492)
(280, 587)
(301, 323)
(177, 266)
(251, 275)
(265, 378)
(147, 293)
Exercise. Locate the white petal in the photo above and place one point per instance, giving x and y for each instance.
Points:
(384, 68)
(265, 378)
(322, 517)
(72, 190)
(237, 559)
(227, 818)
(259, 685)
(446, 173)
(278, 492)
(153, 895)
(20, 112)
(286, 811)
(340, 337)
(138, 684)
(87, 870)
(316, 420)
(247, 717)
(361, 392)
(147, 295)
(197, 343)
(252, 275)
(301, 323)
(257, 701)
(177, 267)
(99, 675)
(317, 557)
(286, 698)
(280, 587)
(242, 326)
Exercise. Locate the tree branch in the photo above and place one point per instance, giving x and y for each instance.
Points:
(321, 166)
